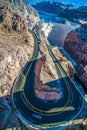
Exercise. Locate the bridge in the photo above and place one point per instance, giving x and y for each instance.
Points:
(39, 113)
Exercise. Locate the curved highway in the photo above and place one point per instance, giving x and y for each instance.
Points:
(39, 113)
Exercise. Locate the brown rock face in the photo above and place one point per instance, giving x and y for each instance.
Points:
(76, 45)
(43, 91)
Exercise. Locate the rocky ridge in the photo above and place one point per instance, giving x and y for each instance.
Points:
(65, 11)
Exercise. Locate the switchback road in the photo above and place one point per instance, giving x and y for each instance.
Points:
(42, 113)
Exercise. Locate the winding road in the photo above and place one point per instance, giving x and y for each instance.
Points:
(42, 114)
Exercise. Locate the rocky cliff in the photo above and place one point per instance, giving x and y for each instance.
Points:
(16, 45)
(76, 45)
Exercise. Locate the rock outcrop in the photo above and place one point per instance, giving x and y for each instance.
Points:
(76, 45)
(46, 71)
(43, 91)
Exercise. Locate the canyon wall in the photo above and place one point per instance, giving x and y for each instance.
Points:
(76, 45)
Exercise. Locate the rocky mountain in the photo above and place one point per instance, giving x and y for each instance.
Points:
(63, 11)
(54, 7)
(14, 40)
(74, 14)
(76, 45)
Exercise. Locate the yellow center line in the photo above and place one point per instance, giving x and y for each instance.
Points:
(67, 85)
(69, 108)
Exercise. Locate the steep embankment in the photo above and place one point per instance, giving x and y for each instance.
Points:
(76, 45)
